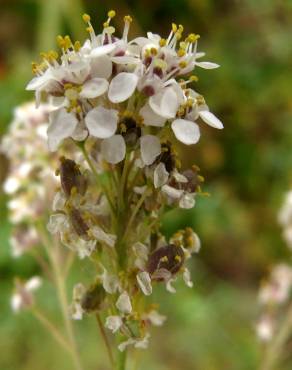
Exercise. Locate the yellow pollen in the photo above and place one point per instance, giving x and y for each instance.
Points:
(153, 51)
(86, 17)
(77, 45)
(194, 78)
(128, 18)
(68, 86)
(189, 241)
(89, 29)
(164, 259)
(192, 37)
(111, 14)
(177, 258)
(181, 52)
(60, 41)
(162, 42)
(174, 27)
(183, 64)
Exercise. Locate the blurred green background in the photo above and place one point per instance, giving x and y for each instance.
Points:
(247, 167)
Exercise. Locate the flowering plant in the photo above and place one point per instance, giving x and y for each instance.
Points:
(275, 324)
(117, 110)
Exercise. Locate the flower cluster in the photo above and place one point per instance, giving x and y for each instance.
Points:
(274, 295)
(31, 181)
(125, 105)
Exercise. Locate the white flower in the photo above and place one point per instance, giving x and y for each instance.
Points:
(144, 281)
(76, 311)
(23, 295)
(123, 303)
(113, 323)
(265, 328)
(137, 343)
(155, 318)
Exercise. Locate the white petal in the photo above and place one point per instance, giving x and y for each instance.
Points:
(187, 278)
(155, 318)
(56, 223)
(101, 67)
(160, 175)
(102, 50)
(150, 148)
(187, 201)
(113, 149)
(211, 119)
(165, 103)
(144, 281)
(16, 302)
(62, 125)
(123, 303)
(113, 323)
(126, 59)
(150, 117)
(122, 87)
(110, 282)
(94, 88)
(102, 236)
(102, 122)
(172, 192)
(207, 65)
(33, 283)
(169, 287)
(186, 131)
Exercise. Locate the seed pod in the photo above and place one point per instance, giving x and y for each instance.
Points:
(170, 257)
(71, 177)
(79, 225)
(93, 298)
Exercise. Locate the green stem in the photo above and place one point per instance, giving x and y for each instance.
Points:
(50, 327)
(122, 359)
(105, 339)
(275, 349)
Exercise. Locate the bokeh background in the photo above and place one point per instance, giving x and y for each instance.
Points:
(247, 167)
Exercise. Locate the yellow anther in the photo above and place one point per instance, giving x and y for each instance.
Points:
(77, 45)
(194, 78)
(128, 18)
(89, 29)
(192, 37)
(201, 178)
(181, 52)
(183, 64)
(67, 42)
(189, 241)
(123, 127)
(177, 258)
(68, 86)
(78, 109)
(86, 17)
(162, 42)
(174, 27)
(153, 51)
(111, 14)
(183, 45)
(190, 102)
(60, 41)
(178, 35)
(164, 259)
(110, 30)
(181, 28)
(105, 24)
